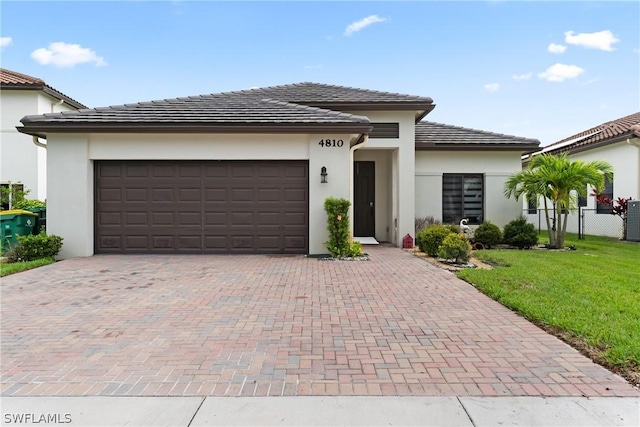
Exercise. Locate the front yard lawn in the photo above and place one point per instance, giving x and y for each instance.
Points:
(590, 297)
(16, 267)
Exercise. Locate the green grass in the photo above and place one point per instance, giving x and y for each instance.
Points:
(592, 294)
(16, 267)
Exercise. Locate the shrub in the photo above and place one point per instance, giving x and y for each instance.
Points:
(520, 233)
(340, 244)
(455, 246)
(425, 221)
(488, 234)
(39, 246)
(29, 204)
(13, 253)
(455, 228)
(430, 238)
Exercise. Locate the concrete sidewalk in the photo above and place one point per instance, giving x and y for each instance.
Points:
(321, 411)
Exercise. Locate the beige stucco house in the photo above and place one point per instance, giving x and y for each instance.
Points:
(22, 163)
(248, 171)
(617, 142)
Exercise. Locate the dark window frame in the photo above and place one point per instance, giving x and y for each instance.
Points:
(385, 130)
(455, 210)
(607, 191)
(14, 188)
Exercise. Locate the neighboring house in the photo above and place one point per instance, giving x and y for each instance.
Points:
(23, 164)
(617, 142)
(248, 171)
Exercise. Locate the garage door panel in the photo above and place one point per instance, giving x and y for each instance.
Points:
(136, 171)
(162, 218)
(163, 171)
(242, 195)
(136, 218)
(201, 207)
(136, 195)
(189, 219)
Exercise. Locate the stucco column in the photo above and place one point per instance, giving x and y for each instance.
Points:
(70, 193)
(406, 193)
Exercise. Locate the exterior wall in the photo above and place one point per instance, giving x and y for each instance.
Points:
(496, 166)
(71, 179)
(21, 160)
(625, 159)
(401, 181)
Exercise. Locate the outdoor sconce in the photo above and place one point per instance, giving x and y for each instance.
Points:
(323, 175)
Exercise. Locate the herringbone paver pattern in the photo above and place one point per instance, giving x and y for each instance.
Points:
(275, 325)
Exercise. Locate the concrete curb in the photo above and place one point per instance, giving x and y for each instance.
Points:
(321, 411)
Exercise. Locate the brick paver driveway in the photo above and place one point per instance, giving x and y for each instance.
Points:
(275, 325)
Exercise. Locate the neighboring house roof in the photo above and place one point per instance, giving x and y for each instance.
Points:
(292, 108)
(18, 81)
(438, 136)
(603, 134)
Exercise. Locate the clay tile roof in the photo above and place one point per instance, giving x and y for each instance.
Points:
(14, 80)
(603, 134)
(439, 136)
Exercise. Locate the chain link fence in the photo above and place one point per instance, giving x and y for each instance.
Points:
(583, 222)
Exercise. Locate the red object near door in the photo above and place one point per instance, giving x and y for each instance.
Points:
(407, 242)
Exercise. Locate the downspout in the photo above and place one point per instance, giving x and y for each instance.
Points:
(361, 142)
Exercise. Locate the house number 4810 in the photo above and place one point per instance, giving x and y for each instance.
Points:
(331, 143)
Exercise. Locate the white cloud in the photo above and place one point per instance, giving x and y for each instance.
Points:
(526, 76)
(601, 40)
(561, 72)
(556, 48)
(363, 23)
(492, 87)
(63, 54)
(5, 41)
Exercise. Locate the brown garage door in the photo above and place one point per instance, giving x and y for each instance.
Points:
(201, 207)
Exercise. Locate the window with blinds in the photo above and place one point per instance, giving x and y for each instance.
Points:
(385, 130)
(462, 197)
(607, 191)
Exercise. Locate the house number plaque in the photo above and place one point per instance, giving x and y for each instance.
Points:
(331, 143)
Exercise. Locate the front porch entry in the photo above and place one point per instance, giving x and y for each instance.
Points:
(364, 217)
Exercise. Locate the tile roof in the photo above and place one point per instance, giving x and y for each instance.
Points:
(216, 112)
(301, 104)
(603, 134)
(14, 80)
(343, 97)
(439, 136)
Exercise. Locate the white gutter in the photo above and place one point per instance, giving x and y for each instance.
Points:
(53, 105)
(38, 143)
(351, 151)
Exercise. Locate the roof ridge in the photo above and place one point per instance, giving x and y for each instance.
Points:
(319, 109)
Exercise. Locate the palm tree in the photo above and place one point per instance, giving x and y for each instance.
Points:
(554, 179)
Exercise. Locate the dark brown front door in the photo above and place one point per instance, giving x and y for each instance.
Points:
(364, 199)
(201, 207)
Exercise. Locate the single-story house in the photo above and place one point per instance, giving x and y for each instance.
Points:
(617, 142)
(248, 171)
(23, 165)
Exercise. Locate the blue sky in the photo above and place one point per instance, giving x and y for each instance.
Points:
(543, 70)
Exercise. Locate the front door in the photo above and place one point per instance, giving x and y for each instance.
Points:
(364, 178)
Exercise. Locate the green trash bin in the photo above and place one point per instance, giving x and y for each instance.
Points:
(42, 219)
(14, 223)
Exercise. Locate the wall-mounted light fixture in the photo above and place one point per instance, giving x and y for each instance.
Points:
(323, 175)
